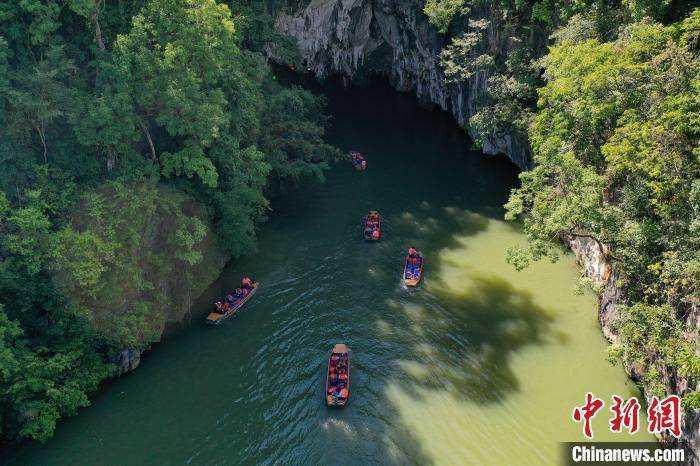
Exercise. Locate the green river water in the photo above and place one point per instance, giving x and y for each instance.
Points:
(482, 365)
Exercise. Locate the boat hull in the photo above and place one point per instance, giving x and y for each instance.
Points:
(215, 318)
(379, 226)
(330, 400)
(357, 164)
(414, 280)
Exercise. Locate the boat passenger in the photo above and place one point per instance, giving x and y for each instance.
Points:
(247, 283)
(229, 298)
(375, 234)
(412, 253)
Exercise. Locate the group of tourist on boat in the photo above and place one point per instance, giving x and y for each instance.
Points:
(372, 226)
(338, 376)
(233, 301)
(413, 270)
(358, 160)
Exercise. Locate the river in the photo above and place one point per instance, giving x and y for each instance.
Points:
(482, 365)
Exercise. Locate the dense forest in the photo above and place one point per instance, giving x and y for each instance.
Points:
(611, 107)
(141, 141)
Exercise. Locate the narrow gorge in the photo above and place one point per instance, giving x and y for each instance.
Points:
(361, 39)
(490, 209)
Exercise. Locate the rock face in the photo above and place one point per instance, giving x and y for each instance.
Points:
(590, 255)
(179, 293)
(125, 361)
(357, 39)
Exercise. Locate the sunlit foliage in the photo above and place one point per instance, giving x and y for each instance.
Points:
(140, 143)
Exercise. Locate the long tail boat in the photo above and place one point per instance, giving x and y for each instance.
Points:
(338, 376)
(413, 270)
(372, 226)
(217, 317)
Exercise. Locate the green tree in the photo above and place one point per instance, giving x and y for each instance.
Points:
(615, 143)
(179, 60)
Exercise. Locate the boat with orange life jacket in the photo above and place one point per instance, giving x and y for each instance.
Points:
(338, 376)
(413, 268)
(372, 226)
(226, 309)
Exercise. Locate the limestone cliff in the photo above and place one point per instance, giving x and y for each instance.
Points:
(357, 39)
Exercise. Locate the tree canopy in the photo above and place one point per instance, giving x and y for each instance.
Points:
(615, 142)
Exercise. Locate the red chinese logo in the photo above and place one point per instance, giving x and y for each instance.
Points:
(625, 414)
(587, 412)
(663, 415)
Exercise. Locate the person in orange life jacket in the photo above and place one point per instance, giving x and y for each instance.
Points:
(247, 283)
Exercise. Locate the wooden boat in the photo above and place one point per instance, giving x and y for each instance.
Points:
(413, 274)
(372, 215)
(335, 387)
(217, 318)
(357, 159)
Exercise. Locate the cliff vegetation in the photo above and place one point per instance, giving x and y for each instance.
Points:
(141, 140)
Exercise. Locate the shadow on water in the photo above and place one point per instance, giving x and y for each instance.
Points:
(433, 228)
(464, 343)
(446, 346)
